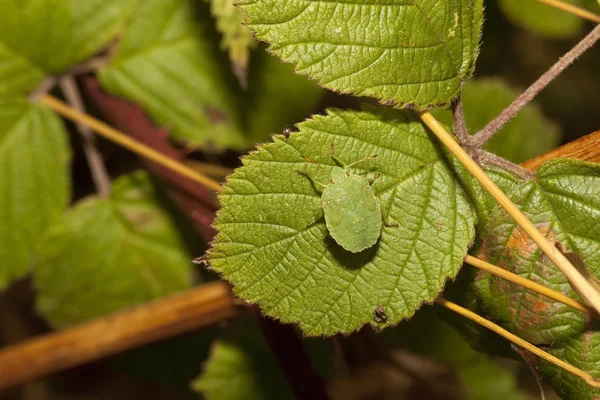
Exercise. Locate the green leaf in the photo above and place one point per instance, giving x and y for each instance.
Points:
(528, 135)
(241, 367)
(481, 377)
(273, 244)
(32, 33)
(563, 203)
(542, 18)
(276, 97)
(581, 351)
(236, 38)
(34, 182)
(109, 254)
(40, 37)
(402, 52)
(167, 64)
(95, 24)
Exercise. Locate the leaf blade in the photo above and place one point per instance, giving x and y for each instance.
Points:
(109, 254)
(564, 209)
(35, 185)
(390, 37)
(174, 73)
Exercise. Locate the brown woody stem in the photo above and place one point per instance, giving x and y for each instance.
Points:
(512, 110)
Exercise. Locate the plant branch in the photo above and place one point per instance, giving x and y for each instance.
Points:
(100, 176)
(570, 8)
(487, 158)
(590, 380)
(513, 109)
(160, 319)
(575, 278)
(123, 140)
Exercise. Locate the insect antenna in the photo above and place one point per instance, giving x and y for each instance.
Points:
(361, 161)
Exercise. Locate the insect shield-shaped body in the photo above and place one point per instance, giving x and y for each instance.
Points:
(352, 212)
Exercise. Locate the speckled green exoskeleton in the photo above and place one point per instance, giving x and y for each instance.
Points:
(352, 212)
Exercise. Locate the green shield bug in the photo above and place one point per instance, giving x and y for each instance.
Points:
(352, 212)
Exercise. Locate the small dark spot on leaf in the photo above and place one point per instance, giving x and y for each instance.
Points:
(379, 315)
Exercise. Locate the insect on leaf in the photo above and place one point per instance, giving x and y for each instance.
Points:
(274, 246)
(352, 213)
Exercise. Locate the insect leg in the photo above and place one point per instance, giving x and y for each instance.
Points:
(332, 155)
(372, 180)
(388, 224)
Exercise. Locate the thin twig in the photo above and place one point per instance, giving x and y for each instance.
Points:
(90, 341)
(95, 161)
(583, 287)
(528, 284)
(486, 158)
(43, 88)
(570, 8)
(210, 169)
(512, 110)
(590, 380)
(125, 141)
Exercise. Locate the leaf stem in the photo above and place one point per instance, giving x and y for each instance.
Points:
(513, 109)
(123, 140)
(486, 158)
(580, 12)
(587, 291)
(95, 161)
(590, 380)
(460, 126)
(533, 286)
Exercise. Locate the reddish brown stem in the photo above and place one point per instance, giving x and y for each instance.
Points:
(292, 358)
(512, 110)
(197, 202)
